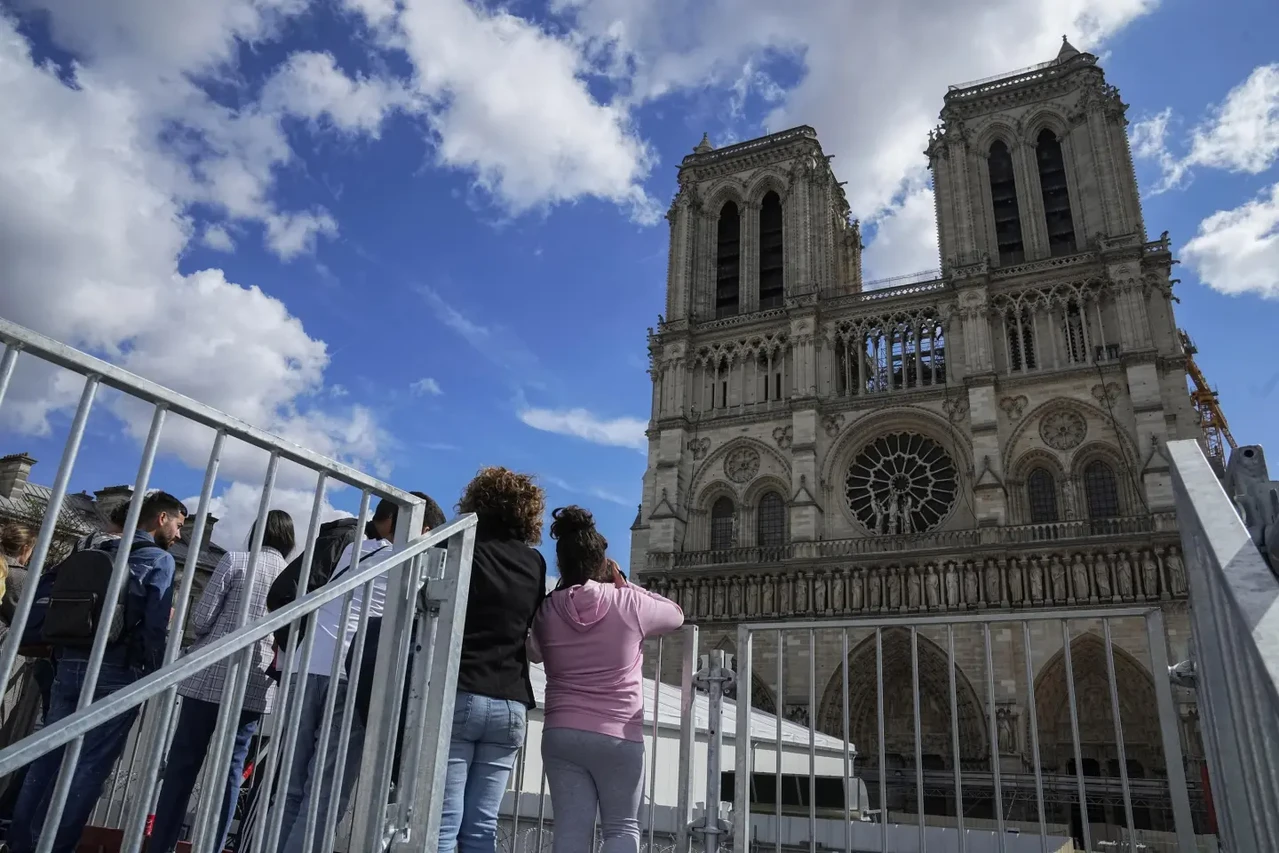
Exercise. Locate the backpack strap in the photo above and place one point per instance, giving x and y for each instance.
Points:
(356, 564)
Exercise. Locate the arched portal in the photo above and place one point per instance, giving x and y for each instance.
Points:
(899, 708)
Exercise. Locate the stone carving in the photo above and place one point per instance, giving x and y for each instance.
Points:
(876, 598)
(1108, 393)
(857, 597)
(1150, 575)
(1036, 580)
(1057, 572)
(1014, 406)
(838, 601)
(1016, 582)
(994, 594)
(894, 588)
(698, 447)
(956, 409)
(1176, 571)
(901, 483)
(914, 589)
(1101, 573)
(734, 596)
(832, 424)
(1063, 429)
(801, 593)
(1123, 571)
(972, 586)
(1006, 726)
(742, 464)
(1079, 578)
(952, 586)
(784, 436)
(932, 589)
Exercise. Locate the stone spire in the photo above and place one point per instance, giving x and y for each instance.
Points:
(705, 145)
(1067, 51)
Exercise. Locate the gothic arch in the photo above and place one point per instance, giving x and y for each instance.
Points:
(730, 189)
(712, 468)
(763, 698)
(1044, 118)
(1097, 420)
(764, 484)
(863, 430)
(1036, 457)
(762, 183)
(1137, 708)
(899, 713)
(713, 491)
(997, 131)
(1100, 451)
(1019, 474)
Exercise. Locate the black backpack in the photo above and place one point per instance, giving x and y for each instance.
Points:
(76, 599)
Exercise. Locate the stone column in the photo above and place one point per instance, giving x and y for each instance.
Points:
(749, 261)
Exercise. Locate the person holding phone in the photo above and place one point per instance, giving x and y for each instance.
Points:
(589, 633)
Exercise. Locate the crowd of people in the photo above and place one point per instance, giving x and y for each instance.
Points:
(587, 633)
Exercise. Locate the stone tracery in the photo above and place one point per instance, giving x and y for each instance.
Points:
(901, 483)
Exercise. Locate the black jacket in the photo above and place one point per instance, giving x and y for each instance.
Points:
(329, 544)
(508, 583)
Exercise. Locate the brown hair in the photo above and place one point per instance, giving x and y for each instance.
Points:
(15, 539)
(508, 504)
(579, 547)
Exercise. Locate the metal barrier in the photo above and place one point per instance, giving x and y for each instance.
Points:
(1235, 661)
(424, 602)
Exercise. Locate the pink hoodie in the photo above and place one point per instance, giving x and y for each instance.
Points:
(590, 639)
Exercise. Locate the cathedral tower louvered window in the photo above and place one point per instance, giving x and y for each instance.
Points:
(1052, 181)
(771, 290)
(722, 522)
(728, 262)
(1003, 197)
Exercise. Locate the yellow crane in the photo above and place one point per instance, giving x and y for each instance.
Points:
(1207, 405)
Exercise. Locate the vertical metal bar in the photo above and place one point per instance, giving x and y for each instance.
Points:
(715, 670)
(7, 364)
(1119, 733)
(1169, 727)
(541, 811)
(812, 741)
(687, 741)
(848, 758)
(956, 766)
(119, 571)
(742, 754)
(883, 758)
(518, 786)
(235, 682)
(993, 727)
(1074, 734)
(135, 825)
(17, 625)
(919, 740)
(424, 648)
(780, 710)
(1034, 735)
(652, 772)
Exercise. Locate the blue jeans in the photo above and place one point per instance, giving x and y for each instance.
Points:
(294, 837)
(487, 733)
(196, 723)
(98, 755)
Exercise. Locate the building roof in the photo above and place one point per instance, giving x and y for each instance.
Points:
(763, 725)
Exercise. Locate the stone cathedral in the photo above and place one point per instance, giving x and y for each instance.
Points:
(987, 438)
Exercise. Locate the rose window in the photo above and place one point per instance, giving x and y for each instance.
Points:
(901, 483)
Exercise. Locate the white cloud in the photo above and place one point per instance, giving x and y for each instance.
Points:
(236, 508)
(1239, 135)
(426, 385)
(594, 491)
(868, 90)
(216, 237)
(583, 424)
(510, 104)
(1237, 251)
(310, 85)
(906, 241)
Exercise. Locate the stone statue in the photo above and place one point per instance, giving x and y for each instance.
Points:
(752, 596)
(932, 588)
(881, 512)
(1123, 573)
(1101, 573)
(1176, 572)
(894, 588)
(838, 601)
(1079, 578)
(857, 592)
(1150, 574)
(1016, 583)
(994, 594)
(769, 596)
(1036, 580)
(1058, 574)
(784, 596)
(801, 593)
(892, 515)
(914, 589)
(1007, 729)
(719, 598)
(908, 522)
(819, 593)
(972, 586)
(952, 585)
(876, 594)
(735, 597)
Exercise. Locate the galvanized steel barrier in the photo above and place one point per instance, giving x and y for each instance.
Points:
(425, 596)
(1235, 662)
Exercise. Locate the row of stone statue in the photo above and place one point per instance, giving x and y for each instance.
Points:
(1040, 580)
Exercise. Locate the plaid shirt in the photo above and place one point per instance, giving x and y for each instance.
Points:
(214, 617)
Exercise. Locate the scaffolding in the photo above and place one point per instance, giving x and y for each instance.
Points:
(1207, 406)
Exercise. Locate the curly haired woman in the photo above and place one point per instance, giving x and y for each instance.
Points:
(494, 694)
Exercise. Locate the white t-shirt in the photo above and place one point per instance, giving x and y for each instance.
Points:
(327, 628)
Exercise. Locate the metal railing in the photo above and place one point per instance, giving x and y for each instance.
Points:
(424, 601)
(1234, 665)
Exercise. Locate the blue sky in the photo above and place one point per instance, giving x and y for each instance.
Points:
(426, 235)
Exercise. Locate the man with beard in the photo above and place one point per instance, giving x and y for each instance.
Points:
(137, 649)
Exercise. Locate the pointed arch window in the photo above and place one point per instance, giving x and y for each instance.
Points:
(770, 521)
(1003, 197)
(1101, 490)
(1052, 182)
(771, 290)
(722, 523)
(728, 261)
(1041, 495)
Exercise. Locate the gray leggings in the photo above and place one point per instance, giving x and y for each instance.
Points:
(585, 770)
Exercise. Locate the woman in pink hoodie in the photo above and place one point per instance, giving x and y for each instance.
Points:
(589, 633)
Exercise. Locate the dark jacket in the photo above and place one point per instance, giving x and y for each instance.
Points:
(508, 582)
(148, 602)
(329, 544)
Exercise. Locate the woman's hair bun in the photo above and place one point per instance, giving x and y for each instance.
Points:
(569, 520)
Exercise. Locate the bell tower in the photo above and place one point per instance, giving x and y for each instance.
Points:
(1034, 165)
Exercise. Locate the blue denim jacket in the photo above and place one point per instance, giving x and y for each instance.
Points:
(148, 601)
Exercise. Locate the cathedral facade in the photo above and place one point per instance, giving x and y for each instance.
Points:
(986, 439)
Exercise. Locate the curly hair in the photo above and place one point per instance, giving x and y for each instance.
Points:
(579, 548)
(507, 504)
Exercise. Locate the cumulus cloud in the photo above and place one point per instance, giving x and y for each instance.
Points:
(584, 424)
(236, 508)
(424, 386)
(310, 85)
(1237, 251)
(1241, 134)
